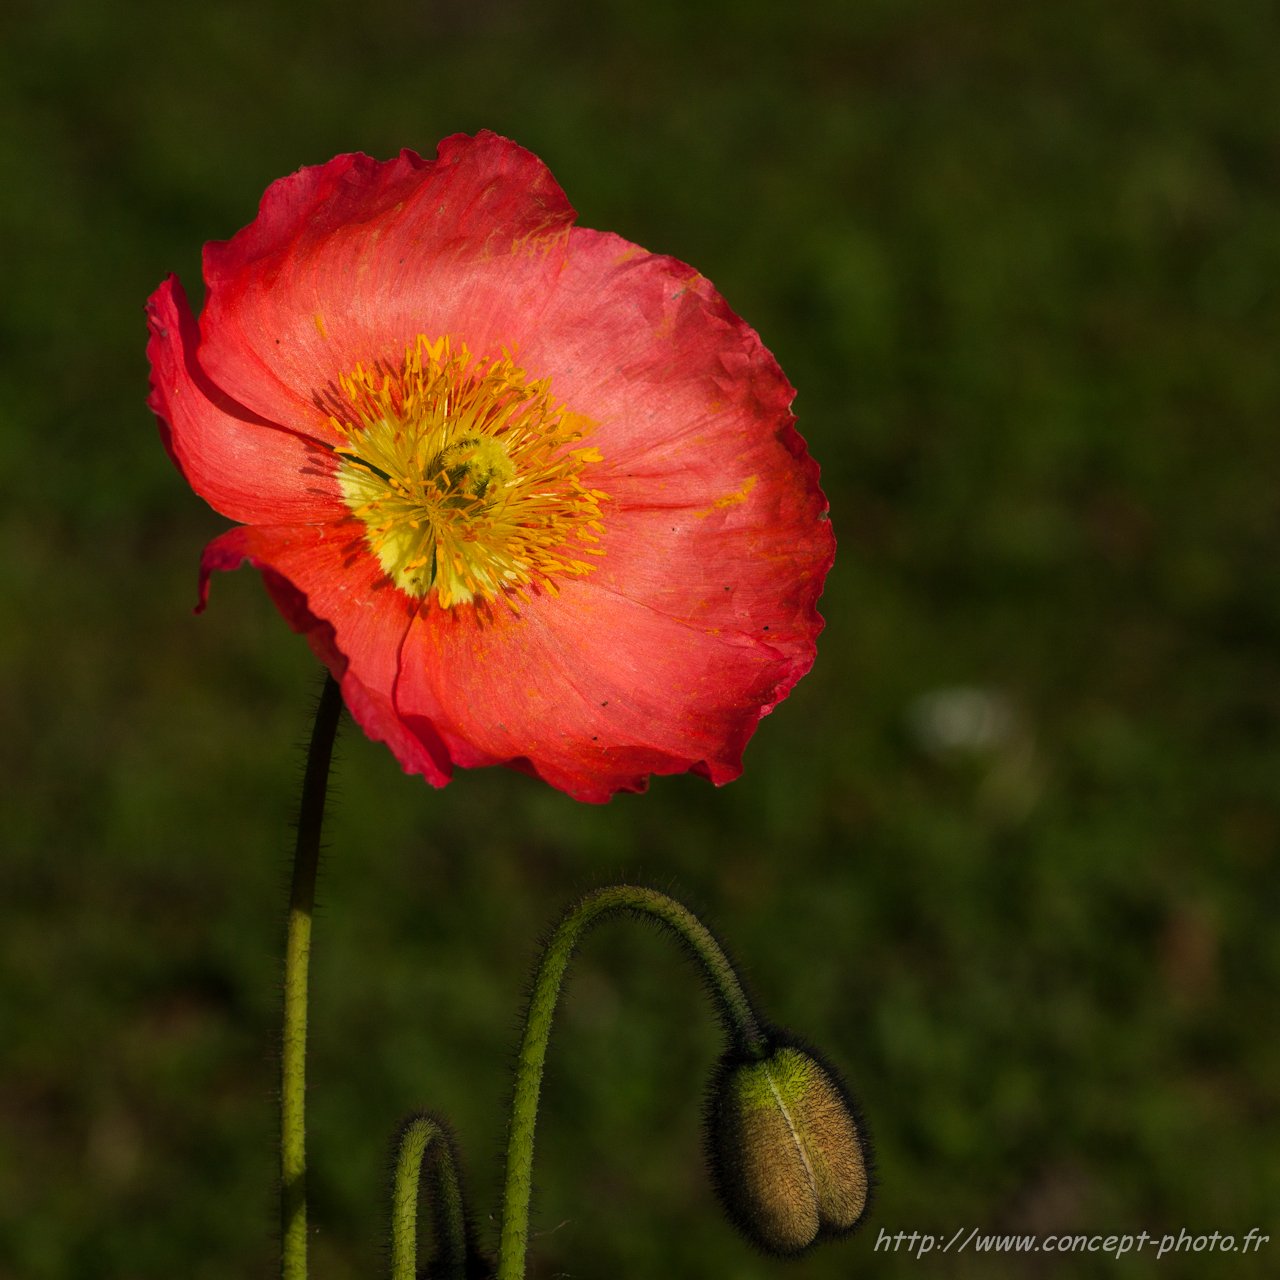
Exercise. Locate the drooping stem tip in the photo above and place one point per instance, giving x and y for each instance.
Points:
(737, 1015)
(425, 1139)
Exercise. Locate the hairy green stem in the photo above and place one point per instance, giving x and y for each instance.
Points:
(297, 955)
(424, 1137)
(736, 1012)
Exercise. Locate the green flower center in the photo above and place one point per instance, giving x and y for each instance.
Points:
(468, 476)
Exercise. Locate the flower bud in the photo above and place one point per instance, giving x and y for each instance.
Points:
(788, 1155)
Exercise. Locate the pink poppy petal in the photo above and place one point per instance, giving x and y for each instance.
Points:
(245, 467)
(590, 691)
(645, 347)
(348, 262)
(716, 573)
(714, 513)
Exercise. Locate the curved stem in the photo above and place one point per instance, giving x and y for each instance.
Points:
(735, 1011)
(293, 1055)
(416, 1145)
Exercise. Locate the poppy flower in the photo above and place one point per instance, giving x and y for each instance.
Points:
(533, 494)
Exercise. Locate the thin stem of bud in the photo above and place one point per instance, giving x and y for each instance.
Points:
(293, 1049)
(424, 1137)
(737, 1015)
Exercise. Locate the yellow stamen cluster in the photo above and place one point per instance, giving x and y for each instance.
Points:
(467, 475)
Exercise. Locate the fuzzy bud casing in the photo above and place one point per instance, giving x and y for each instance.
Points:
(788, 1155)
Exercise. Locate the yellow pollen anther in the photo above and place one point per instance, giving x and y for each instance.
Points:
(467, 475)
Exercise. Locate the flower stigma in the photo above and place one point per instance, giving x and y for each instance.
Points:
(467, 476)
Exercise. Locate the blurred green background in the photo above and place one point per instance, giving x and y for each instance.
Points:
(1007, 855)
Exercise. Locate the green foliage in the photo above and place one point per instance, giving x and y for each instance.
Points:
(1020, 260)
